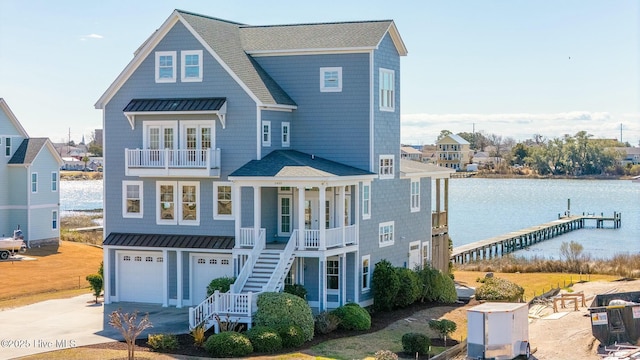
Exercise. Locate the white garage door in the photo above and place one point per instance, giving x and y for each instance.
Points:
(140, 276)
(207, 267)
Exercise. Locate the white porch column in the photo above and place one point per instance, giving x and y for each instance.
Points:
(342, 211)
(357, 286)
(343, 279)
(301, 232)
(322, 215)
(236, 209)
(165, 277)
(106, 272)
(257, 198)
(322, 288)
(179, 294)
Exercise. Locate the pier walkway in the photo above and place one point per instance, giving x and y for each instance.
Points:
(504, 244)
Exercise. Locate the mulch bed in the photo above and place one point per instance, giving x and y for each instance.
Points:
(379, 321)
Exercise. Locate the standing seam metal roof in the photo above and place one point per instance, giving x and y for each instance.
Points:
(187, 104)
(170, 241)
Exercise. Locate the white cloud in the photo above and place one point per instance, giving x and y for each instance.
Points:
(91, 36)
(425, 128)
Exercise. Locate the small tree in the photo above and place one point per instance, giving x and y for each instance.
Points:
(572, 253)
(444, 327)
(129, 327)
(95, 281)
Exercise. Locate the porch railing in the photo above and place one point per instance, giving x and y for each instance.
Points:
(236, 306)
(244, 274)
(248, 238)
(173, 158)
(276, 282)
(334, 237)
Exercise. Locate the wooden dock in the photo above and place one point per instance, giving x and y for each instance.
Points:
(504, 244)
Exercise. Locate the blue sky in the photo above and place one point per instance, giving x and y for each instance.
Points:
(513, 68)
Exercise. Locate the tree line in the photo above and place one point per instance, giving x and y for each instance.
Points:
(575, 155)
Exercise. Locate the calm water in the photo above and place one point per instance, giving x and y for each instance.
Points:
(483, 208)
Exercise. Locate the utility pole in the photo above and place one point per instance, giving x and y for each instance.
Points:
(620, 132)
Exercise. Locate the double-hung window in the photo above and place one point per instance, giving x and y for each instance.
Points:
(191, 66)
(286, 140)
(132, 199)
(385, 234)
(387, 93)
(54, 220)
(54, 181)
(34, 182)
(7, 147)
(178, 203)
(165, 66)
(266, 133)
(330, 79)
(366, 273)
(333, 274)
(415, 195)
(223, 202)
(386, 169)
(366, 200)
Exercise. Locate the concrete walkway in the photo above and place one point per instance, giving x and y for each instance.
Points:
(57, 324)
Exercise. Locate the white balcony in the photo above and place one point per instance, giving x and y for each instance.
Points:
(170, 162)
(311, 239)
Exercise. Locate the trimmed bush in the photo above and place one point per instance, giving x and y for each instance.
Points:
(264, 339)
(410, 286)
(385, 285)
(326, 322)
(415, 343)
(222, 284)
(282, 309)
(95, 280)
(292, 336)
(162, 342)
(228, 344)
(436, 286)
(496, 289)
(297, 290)
(446, 288)
(353, 317)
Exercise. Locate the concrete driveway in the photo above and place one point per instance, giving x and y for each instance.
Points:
(57, 324)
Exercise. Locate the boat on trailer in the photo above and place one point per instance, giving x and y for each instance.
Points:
(11, 245)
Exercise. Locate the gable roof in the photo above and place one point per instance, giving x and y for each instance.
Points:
(336, 36)
(296, 164)
(457, 138)
(410, 168)
(14, 120)
(29, 149)
(232, 45)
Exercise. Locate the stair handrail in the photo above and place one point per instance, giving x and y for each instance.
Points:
(284, 264)
(247, 269)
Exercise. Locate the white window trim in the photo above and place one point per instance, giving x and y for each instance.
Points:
(183, 66)
(286, 142)
(280, 197)
(198, 203)
(266, 142)
(217, 216)
(365, 287)
(7, 147)
(55, 181)
(177, 201)
(147, 125)
(125, 210)
(416, 207)
(393, 90)
(366, 210)
(55, 214)
(199, 125)
(324, 70)
(157, 72)
(31, 183)
(338, 275)
(381, 227)
(391, 173)
(426, 261)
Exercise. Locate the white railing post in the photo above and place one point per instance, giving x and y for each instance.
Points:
(208, 159)
(216, 304)
(166, 159)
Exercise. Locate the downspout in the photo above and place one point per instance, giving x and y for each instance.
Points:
(28, 167)
(259, 134)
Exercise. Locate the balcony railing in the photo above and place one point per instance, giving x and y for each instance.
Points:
(172, 162)
(310, 239)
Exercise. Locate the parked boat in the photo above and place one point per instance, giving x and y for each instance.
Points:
(635, 179)
(11, 245)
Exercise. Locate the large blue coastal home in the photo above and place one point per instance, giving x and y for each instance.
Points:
(266, 153)
(29, 183)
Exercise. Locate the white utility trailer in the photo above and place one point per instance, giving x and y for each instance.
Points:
(498, 331)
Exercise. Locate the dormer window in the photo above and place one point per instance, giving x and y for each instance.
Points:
(165, 66)
(191, 66)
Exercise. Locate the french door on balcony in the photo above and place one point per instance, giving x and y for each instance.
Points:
(159, 137)
(196, 140)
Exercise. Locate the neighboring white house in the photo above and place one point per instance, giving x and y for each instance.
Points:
(453, 152)
(410, 153)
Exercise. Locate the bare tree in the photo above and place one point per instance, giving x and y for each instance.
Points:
(129, 327)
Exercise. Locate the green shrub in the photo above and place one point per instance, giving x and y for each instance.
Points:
(228, 344)
(353, 317)
(436, 286)
(264, 339)
(444, 327)
(95, 281)
(446, 289)
(415, 343)
(385, 285)
(410, 286)
(297, 290)
(162, 342)
(326, 322)
(292, 336)
(496, 289)
(222, 284)
(281, 309)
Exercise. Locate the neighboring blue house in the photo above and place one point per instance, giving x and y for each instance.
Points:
(30, 191)
(269, 153)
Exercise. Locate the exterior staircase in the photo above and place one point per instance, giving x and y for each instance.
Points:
(263, 269)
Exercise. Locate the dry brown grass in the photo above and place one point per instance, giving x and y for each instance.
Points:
(55, 270)
(79, 221)
(80, 175)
